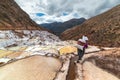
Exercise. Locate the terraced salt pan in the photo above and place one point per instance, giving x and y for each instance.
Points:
(32, 68)
(28, 37)
(92, 72)
(4, 53)
(92, 49)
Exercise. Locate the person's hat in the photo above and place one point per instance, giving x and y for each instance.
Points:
(84, 39)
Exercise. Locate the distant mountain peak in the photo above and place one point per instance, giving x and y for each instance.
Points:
(58, 27)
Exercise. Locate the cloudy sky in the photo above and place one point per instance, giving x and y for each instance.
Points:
(46, 11)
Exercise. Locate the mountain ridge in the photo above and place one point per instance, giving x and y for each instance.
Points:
(58, 27)
(13, 17)
(102, 30)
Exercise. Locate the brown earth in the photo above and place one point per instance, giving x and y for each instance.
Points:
(13, 17)
(102, 30)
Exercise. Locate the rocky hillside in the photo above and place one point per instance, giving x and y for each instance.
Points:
(59, 27)
(13, 17)
(102, 30)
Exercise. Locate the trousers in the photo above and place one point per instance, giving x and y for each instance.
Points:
(80, 53)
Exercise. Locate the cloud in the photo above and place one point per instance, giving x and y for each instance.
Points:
(43, 11)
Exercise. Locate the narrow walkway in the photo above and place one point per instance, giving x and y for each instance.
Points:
(79, 72)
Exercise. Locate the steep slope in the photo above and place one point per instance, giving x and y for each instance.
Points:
(102, 30)
(13, 17)
(58, 27)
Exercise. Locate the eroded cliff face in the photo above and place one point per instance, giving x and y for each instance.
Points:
(13, 17)
(102, 30)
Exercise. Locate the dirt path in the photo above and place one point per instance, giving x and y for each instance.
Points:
(32, 68)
